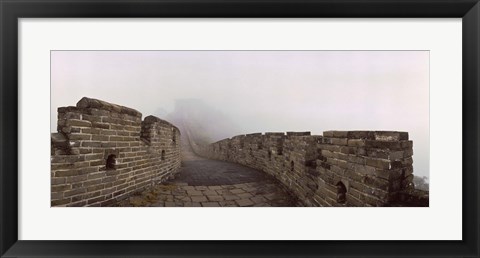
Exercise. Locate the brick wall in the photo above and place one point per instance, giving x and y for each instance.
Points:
(340, 168)
(104, 152)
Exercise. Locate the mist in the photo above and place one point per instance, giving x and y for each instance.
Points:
(225, 93)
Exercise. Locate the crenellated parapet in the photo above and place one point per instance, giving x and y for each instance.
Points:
(338, 168)
(104, 152)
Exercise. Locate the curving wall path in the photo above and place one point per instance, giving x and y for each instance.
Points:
(338, 168)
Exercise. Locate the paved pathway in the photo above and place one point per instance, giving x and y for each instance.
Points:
(211, 183)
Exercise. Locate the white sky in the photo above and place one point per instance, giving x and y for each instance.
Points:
(261, 90)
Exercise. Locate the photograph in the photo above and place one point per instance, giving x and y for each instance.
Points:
(239, 128)
(287, 128)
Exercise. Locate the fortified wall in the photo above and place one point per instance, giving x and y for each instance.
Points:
(104, 152)
(340, 168)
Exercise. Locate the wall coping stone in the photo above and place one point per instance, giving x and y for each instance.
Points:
(100, 104)
(153, 119)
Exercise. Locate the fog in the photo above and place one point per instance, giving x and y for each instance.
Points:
(234, 92)
(205, 124)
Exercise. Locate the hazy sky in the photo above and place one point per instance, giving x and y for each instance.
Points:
(261, 90)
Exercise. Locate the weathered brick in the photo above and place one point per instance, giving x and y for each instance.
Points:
(96, 156)
(92, 182)
(62, 166)
(90, 131)
(390, 145)
(60, 202)
(378, 163)
(69, 115)
(116, 138)
(349, 174)
(115, 127)
(396, 155)
(108, 191)
(100, 125)
(95, 200)
(56, 195)
(91, 144)
(85, 150)
(407, 153)
(60, 188)
(67, 129)
(328, 133)
(354, 201)
(95, 188)
(72, 179)
(356, 159)
(67, 158)
(333, 148)
(336, 134)
(108, 132)
(74, 192)
(327, 154)
(339, 141)
(123, 133)
(91, 118)
(132, 128)
(77, 204)
(348, 150)
(373, 200)
(88, 170)
(58, 180)
(67, 173)
(74, 137)
(78, 123)
(100, 138)
(98, 163)
(109, 179)
(391, 174)
(376, 182)
(364, 169)
(98, 112)
(108, 144)
(406, 144)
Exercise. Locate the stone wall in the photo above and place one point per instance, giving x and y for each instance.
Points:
(104, 152)
(340, 168)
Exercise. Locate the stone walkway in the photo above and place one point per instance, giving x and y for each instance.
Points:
(211, 183)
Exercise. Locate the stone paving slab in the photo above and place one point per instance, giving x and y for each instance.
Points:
(210, 183)
(215, 198)
(205, 172)
(180, 197)
(244, 202)
(210, 204)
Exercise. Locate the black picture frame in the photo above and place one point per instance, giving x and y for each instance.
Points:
(11, 11)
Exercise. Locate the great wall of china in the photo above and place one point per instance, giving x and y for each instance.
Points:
(340, 168)
(103, 153)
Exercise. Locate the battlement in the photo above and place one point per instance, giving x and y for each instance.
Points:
(338, 168)
(86, 103)
(103, 152)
